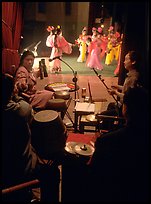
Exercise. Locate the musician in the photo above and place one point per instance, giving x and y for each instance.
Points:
(25, 81)
(132, 80)
(119, 169)
(20, 163)
(131, 65)
(18, 159)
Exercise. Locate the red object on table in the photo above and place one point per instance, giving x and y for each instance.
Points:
(84, 138)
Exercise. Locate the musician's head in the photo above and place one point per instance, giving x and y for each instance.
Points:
(131, 60)
(27, 60)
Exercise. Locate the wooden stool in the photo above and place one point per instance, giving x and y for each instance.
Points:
(84, 122)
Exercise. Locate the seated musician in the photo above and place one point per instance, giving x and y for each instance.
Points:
(132, 80)
(25, 81)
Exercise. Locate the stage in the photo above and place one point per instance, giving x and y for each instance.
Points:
(71, 60)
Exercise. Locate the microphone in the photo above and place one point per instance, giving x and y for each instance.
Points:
(57, 57)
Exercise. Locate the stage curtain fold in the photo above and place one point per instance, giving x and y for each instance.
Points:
(11, 35)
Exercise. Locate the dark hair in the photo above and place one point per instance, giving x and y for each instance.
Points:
(134, 57)
(24, 55)
(89, 39)
(137, 102)
(58, 31)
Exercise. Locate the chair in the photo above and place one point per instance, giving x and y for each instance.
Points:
(108, 123)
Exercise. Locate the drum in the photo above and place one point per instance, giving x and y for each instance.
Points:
(49, 134)
(57, 104)
(62, 95)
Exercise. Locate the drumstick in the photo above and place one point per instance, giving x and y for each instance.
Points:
(104, 84)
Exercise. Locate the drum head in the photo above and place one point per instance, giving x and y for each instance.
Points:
(46, 116)
(62, 94)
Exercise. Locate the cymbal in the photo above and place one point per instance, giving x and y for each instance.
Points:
(70, 147)
(84, 149)
(91, 117)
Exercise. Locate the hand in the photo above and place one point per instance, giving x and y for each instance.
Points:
(114, 86)
(16, 90)
(111, 91)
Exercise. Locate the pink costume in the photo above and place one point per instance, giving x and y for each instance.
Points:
(94, 60)
(38, 99)
(104, 45)
(59, 46)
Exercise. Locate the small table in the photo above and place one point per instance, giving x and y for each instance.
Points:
(85, 108)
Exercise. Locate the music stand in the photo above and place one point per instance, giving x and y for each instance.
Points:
(74, 80)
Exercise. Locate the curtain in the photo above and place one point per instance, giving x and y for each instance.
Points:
(11, 35)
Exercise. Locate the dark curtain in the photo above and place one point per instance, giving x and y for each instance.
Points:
(136, 37)
(11, 35)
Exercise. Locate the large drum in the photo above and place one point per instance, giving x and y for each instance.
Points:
(48, 134)
(57, 104)
(62, 94)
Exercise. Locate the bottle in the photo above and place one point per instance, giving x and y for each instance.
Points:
(41, 70)
(44, 67)
(83, 93)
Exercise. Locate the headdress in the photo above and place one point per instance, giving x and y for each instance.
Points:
(50, 28)
(110, 28)
(117, 35)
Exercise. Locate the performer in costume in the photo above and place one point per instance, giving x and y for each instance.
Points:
(94, 59)
(104, 45)
(94, 33)
(116, 71)
(110, 52)
(59, 46)
(81, 41)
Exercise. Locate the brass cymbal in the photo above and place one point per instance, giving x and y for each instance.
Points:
(84, 149)
(91, 117)
(70, 147)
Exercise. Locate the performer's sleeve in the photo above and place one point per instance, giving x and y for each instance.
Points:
(49, 41)
(66, 47)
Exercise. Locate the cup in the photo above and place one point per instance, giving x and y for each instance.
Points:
(83, 93)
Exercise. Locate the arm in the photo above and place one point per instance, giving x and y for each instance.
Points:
(119, 87)
(21, 79)
(117, 93)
